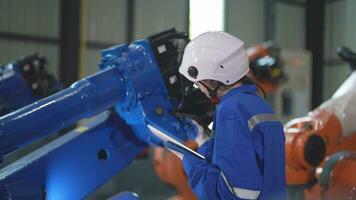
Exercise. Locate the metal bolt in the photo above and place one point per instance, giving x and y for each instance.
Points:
(34, 86)
(26, 68)
(159, 110)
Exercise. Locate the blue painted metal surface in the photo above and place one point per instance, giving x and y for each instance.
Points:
(147, 97)
(14, 92)
(24, 81)
(74, 165)
(130, 80)
(85, 98)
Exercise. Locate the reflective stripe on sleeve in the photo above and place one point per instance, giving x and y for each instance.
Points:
(256, 119)
(241, 192)
(246, 194)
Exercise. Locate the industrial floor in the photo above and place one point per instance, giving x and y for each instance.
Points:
(140, 178)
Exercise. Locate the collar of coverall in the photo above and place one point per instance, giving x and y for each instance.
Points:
(241, 89)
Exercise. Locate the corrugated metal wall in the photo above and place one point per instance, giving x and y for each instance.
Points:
(340, 29)
(35, 17)
(152, 16)
(290, 26)
(107, 22)
(245, 20)
(17, 16)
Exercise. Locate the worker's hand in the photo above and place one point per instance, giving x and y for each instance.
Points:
(205, 149)
(195, 131)
(190, 160)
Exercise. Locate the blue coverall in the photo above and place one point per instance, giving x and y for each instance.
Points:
(246, 155)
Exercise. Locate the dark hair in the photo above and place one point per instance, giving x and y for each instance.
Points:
(244, 81)
(248, 81)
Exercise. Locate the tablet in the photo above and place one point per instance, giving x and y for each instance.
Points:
(172, 144)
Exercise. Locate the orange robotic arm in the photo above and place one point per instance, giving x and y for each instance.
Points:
(328, 129)
(260, 50)
(266, 66)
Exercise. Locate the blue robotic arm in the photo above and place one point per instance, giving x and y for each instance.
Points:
(83, 99)
(24, 81)
(74, 165)
(71, 167)
(130, 80)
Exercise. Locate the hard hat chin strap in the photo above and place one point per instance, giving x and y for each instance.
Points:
(212, 92)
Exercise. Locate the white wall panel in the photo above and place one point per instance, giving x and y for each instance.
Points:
(107, 20)
(290, 26)
(152, 16)
(246, 20)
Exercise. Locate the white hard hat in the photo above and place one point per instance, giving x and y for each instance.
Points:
(215, 56)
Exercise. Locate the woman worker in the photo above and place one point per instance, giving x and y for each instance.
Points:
(245, 156)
